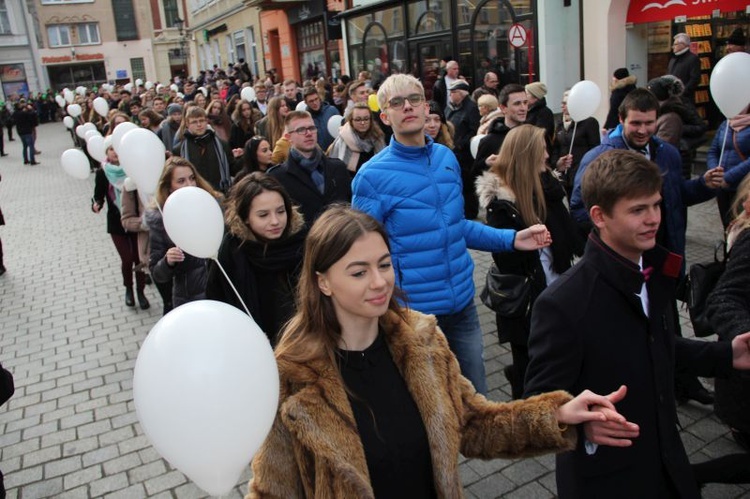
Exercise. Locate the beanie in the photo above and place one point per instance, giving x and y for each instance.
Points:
(435, 109)
(174, 108)
(537, 89)
(665, 87)
(737, 38)
(621, 73)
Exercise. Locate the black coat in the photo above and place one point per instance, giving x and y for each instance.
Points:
(7, 388)
(103, 192)
(490, 144)
(465, 119)
(587, 136)
(540, 115)
(304, 193)
(589, 331)
(729, 311)
(686, 67)
(618, 92)
(25, 121)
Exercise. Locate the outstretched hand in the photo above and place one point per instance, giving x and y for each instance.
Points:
(580, 409)
(741, 351)
(611, 430)
(533, 238)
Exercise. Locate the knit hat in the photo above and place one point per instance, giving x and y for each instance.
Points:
(435, 109)
(459, 85)
(665, 87)
(174, 108)
(737, 38)
(621, 73)
(537, 89)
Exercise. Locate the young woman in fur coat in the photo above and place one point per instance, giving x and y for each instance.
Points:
(372, 401)
(261, 252)
(519, 191)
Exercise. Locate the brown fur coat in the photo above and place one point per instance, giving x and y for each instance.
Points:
(314, 449)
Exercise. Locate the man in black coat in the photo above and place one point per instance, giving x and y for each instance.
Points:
(686, 66)
(609, 322)
(515, 105)
(440, 90)
(312, 180)
(464, 114)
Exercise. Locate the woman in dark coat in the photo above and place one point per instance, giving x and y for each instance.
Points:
(261, 253)
(517, 192)
(622, 84)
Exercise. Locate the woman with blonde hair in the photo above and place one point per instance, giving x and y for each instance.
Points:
(167, 262)
(372, 400)
(272, 125)
(519, 191)
(359, 139)
(489, 112)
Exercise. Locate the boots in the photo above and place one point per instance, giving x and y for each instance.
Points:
(143, 301)
(129, 298)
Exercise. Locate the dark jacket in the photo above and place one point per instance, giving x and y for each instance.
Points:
(103, 191)
(540, 115)
(188, 277)
(25, 121)
(264, 273)
(490, 144)
(587, 136)
(618, 91)
(440, 92)
(202, 153)
(320, 118)
(735, 166)
(686, 67)
(465, 119)
(303, 191)
(589, 331)
(729, 312)
(7, 388)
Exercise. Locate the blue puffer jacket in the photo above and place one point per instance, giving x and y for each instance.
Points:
(416, 193)
(735, 168)
(676, 192)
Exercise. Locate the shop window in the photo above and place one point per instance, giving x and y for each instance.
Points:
(392, 21)
(4, 19)
(88, 33)
(376, 53)
(429, 16)
(59, 35)
(137, 68)
(171, 13)
(253, 62)
(311, 49)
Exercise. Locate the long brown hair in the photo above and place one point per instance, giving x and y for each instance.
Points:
(274, 121)
(314, 331)
(520, 160)
(739, 217)
(164, 187)
(374, 133)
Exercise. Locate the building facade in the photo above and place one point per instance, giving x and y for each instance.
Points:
(20, 71)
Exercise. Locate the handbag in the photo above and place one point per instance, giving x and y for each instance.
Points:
(509, 295)
(700, 283)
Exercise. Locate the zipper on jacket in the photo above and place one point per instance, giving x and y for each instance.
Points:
(445, 231)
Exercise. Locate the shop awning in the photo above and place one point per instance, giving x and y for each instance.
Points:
(648, 11)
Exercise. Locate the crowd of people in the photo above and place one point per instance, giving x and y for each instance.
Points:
(371, 308)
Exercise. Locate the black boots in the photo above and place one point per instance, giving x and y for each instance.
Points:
(129, 298)
(143, 301)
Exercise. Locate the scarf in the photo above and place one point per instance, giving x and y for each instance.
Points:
(226, 179)
(740, 122)
(312, 166)
(349, 145)
(116, 176)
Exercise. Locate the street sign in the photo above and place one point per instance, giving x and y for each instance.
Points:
(517, 35)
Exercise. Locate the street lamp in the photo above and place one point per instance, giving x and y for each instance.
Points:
(180, 25)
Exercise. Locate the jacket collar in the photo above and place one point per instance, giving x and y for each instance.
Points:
(411, 152)
(490, 186)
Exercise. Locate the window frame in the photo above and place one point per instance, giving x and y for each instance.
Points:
(59, 28)
(85, 26)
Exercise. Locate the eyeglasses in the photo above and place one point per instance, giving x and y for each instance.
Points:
(304, 130)
(363, 119)
(398, 102)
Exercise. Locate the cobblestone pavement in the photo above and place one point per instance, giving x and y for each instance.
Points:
(71, 430)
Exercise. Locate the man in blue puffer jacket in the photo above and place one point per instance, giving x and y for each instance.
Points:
(414, 188)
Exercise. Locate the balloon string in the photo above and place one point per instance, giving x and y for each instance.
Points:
(724, 143)
(232, 285)
(575, 125)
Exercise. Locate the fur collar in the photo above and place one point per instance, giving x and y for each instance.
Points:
(490, 187)
(628, 80)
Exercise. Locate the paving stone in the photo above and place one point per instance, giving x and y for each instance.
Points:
(84, 476)
(164, 482)
(23, 477)
(80, 446)
(494, 485)
(131, 492)
(100, 455)
(62, 466)
(147, 471)
(78, 493)
(108, 484)
(42, 456)
(47, 488)
(123, 463)
(524, 471)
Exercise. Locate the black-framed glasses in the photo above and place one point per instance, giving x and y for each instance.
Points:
(304, 130)
(398, 102)
(363, 119)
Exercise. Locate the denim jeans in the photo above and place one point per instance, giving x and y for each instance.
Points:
(464, 335)
(28, 148)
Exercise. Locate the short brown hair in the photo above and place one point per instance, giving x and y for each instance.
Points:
(619, 174)
(309, 91)
(296, 115)
(355, 85)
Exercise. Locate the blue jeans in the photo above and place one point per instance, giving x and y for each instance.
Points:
(28, 148)
(464, 335)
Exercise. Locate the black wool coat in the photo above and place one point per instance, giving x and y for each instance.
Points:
(589, 331)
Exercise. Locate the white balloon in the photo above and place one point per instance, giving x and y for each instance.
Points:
(69, 122)
(68, 95)
(138, 82)
(173, 87)
(60, 100)
(159, 88)
(180, 95)
(81, 91)
(80, 131)
(248, 94)
(119, 133)
(107, 142)
(148, 85)
(301, 106)
(95, 147)
(334, 125)
(583, 100)
(101, 106)
(128, 87)
(129, 185)
(142, 156)
(194, 221)
(730, 94)
(90, 133)
(204, 91)
(74, 110)
(75, 163)
(206, 390)
(474, 144)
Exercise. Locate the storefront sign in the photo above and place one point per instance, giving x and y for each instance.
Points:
(77, 57)
(648, 11)
(12, 72)
(517, 35)
(121, 73)
(306, 12)
(333, 26)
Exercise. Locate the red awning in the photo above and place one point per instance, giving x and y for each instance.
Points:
(647, 11)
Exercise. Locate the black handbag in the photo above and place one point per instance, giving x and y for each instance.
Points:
(507, 294)
(700, 283)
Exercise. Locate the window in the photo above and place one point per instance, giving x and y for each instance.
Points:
(217, 53)
(137, 68)
(58, 35)
(253, 51)
(170, 13)
(239, 44)
(88, 34)
(4, 19)
(125, 20)
(230, 48)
